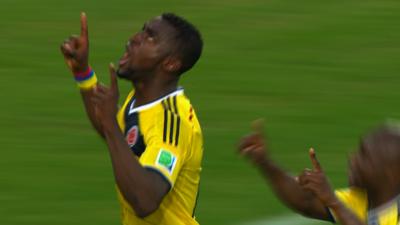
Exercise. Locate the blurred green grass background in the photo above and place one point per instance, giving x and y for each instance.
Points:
(321, 73)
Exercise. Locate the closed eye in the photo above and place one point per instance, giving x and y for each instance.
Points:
(150, 32)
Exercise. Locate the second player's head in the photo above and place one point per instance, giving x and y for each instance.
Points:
(377, 162)
(167, 44)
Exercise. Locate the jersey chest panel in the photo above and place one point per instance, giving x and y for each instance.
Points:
(132, 132)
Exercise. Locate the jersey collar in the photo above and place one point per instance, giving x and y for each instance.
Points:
(132, 108)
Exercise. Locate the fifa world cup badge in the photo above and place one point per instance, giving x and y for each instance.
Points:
(166, 159)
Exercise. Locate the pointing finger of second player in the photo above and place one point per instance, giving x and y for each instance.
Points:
(258, 126)
(314, 160)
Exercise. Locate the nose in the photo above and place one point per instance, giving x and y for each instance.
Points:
(134, 40)
(137, 38)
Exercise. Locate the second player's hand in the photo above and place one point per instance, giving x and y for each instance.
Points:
(315, 181)
(253, 145)
(106, 101)
(75, 49)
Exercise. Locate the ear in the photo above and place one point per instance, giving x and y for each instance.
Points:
(172, 64)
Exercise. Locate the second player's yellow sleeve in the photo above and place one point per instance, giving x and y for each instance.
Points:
(354, 199)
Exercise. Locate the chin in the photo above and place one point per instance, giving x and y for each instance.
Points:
(125, 74)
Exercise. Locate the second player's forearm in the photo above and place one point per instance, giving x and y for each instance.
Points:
(291, 193)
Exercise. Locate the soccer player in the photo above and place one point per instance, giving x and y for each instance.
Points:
(154, 139)
(373, 195)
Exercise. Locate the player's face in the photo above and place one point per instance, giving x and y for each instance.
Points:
(354, 171)
(146, 50)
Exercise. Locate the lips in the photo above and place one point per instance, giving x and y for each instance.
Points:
(124, 59)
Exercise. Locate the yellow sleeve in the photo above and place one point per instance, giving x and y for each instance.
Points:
(166, 160)
(163, 156)
(354, 199)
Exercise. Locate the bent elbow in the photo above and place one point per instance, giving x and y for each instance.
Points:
(142, 213)
(145, 208)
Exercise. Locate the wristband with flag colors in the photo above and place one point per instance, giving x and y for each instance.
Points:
(86, 79)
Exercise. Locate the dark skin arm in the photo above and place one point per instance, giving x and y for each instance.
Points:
(286, 187)
(142, 188)
(76, 54)
(316, 182)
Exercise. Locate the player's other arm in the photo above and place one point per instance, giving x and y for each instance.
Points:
(317, 183)
(143, 189)
(76, 54)
(285, 186)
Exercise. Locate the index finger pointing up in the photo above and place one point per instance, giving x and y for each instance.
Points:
(113, 78)
(84, 28)
(314, 160)
(258, 126)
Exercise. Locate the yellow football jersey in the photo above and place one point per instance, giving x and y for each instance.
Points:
(166, 137)
(357, 200)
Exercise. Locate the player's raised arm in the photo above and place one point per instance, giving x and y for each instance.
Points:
(75, 50)
(285, 186)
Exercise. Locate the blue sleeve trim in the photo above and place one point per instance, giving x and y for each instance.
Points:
(149, 168)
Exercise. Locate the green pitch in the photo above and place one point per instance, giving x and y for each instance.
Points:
(320, 72)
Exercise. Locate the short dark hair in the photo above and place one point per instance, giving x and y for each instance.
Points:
(189, 43)
(386, 140)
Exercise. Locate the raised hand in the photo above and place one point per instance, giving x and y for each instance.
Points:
(315, 181)
(314, 160)
(106, 100)
(253, 145)
(75, 49)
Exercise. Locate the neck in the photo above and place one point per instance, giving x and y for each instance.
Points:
(382, 195)
(149, 90)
